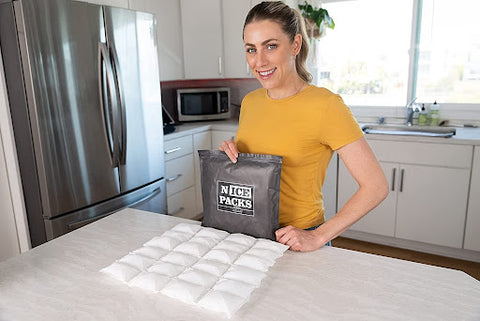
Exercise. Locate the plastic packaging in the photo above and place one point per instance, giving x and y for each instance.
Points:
(423, 116)
(434, 114)
(241, 197)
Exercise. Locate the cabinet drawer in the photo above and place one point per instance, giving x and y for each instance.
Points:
(179, 174)
(178, 147)
(182, 204)
(448, 155)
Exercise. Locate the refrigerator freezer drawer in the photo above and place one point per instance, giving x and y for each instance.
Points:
(138, 198)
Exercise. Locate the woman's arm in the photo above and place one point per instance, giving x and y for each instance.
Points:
(373, 189)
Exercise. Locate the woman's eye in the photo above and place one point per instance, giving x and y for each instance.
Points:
(271, 46)
(250, 50)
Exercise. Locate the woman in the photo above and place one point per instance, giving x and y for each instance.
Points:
(304, 124)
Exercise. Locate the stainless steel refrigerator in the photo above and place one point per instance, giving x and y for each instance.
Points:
(84, 93)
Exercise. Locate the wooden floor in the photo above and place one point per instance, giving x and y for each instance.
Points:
(471, 268)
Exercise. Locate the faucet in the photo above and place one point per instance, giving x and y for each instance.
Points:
(412, 108)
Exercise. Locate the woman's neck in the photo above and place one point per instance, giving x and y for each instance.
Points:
(292, 89)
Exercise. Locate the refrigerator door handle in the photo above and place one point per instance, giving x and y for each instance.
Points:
(107, 97)
(79, 224)
(155, 192)
(121, 106)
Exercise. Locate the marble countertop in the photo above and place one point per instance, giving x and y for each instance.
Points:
(59, 280)
(463, 136)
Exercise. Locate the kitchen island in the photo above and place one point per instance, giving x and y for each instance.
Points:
(60, 280)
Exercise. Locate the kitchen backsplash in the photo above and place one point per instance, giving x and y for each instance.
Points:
(238, 89)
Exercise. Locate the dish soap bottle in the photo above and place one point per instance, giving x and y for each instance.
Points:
(434, 114)
(423, 116)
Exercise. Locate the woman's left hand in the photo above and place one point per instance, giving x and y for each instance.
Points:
(298, 239)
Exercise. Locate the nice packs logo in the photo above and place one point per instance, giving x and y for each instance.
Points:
(235, 198)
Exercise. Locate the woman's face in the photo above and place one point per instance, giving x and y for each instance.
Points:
(271, 54)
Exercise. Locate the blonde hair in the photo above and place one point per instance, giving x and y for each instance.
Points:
(292, 23)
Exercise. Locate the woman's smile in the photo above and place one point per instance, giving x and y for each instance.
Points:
(267, 73)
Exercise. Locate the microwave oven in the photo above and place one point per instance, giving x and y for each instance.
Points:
(203, 103)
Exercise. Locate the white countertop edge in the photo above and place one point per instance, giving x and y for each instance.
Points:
(198, 127)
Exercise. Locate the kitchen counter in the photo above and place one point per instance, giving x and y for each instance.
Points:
(463, 136)
(197, 127)
(59, 280)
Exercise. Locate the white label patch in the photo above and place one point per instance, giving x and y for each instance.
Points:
(235, 198)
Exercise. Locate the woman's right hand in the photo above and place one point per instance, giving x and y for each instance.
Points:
(230, 149)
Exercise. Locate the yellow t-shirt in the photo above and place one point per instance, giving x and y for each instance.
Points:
(305, 129)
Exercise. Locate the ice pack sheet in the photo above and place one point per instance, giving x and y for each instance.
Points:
(199, 265)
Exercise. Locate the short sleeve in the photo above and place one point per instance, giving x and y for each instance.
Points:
(338, 125)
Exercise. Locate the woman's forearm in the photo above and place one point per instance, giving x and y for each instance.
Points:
(363, 201)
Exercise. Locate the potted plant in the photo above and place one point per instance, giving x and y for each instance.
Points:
(316, 20)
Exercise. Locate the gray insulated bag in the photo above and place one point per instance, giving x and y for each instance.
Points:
(241, 197)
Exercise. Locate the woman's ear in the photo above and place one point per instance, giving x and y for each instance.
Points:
(297, 44)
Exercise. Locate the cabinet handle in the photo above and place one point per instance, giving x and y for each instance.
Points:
(220, 71)
(171, 179)
(178, 210)
(173, 150)
(394, 172)
(401, 179)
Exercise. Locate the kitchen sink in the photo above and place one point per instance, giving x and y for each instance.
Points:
(405, 130)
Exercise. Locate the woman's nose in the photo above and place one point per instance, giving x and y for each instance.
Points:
(261, 59)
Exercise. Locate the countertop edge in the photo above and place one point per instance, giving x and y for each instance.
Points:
(464, 136)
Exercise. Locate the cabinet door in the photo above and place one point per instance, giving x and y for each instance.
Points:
(182, 204)
(219, 136)
(234, 13)
(472, 228)
(202, 38)
(329, 188)
(432, 204)
(380, 220)
(200, 141)
(9, 246)
(112, 3)
(169, 35)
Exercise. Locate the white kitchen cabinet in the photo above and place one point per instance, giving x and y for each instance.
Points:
(178, 147)
(202, 38)
(432, 204)
(9, 245)
(234, 14)
(329, 188)
(428, 192)
(169, 35)
(380, 220)
(472, 235)
(218, 137)
(200, 141)
(179, 174)
(112, 3)
(182, 204)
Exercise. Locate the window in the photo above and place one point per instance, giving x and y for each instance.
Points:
(374, 58)
(449, 52)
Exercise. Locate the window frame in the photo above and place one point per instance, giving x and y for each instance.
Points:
(451, 111)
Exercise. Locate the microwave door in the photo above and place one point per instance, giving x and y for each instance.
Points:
(195, 104)
(202, 104)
